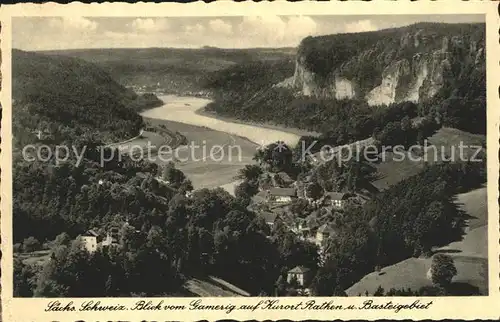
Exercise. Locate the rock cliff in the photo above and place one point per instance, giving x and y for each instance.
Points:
(403, 64)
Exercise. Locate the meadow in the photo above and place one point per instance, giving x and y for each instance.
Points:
(469, 255)
(446, 139)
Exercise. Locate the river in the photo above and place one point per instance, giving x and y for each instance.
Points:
(205, 173)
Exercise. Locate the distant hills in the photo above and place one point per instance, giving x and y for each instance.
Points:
(172, 70)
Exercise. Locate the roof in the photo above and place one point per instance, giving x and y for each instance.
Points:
(269, 217)
(299, 270)
(282, 192)
(284, 176)
(335, 195)
(91, 232)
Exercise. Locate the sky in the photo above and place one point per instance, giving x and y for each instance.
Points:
(48, 33)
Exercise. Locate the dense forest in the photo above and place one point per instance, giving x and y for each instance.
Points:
(211, 232)
(404, 221)
(167, 238)
(66, 97)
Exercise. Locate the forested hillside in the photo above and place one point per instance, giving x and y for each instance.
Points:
(164, 239)
(340, 80)
(167, 234)
(65, 98)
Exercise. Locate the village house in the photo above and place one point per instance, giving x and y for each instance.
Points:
(89, 241)
(301, 274)
(304, 228)
(282, 195)
(282, 179)
(335, 199)
(92, 240)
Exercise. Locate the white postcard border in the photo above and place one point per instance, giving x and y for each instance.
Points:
(484, 307)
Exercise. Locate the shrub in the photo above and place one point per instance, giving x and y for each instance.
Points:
(442, 270)
(17, 248)
(31, 244)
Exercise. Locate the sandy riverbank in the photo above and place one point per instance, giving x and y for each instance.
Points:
(295, 131)
(187, 110)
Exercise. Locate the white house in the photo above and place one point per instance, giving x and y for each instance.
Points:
(301, 274)
(89, 241)
(323, 233)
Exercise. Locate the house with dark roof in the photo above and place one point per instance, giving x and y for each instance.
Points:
(282, 195)
(305, 228)
(282, 179)
(300, 274)
(92, 232)
(89, 240)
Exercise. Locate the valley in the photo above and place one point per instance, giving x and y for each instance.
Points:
(229, 203)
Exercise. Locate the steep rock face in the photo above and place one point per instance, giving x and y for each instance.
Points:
(385, 93)
(308, 83)
(405, 64)
(415, 80)
(344, 88)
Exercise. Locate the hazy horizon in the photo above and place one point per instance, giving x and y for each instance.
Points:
(243, 32)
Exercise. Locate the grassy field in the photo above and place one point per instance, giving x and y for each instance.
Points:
(469, 254)
(448, 140)
(411, 273)
(391, 171)
(200, 168)
(475, 241)
(141, 143)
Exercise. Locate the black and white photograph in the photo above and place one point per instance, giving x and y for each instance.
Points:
(249, 156)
